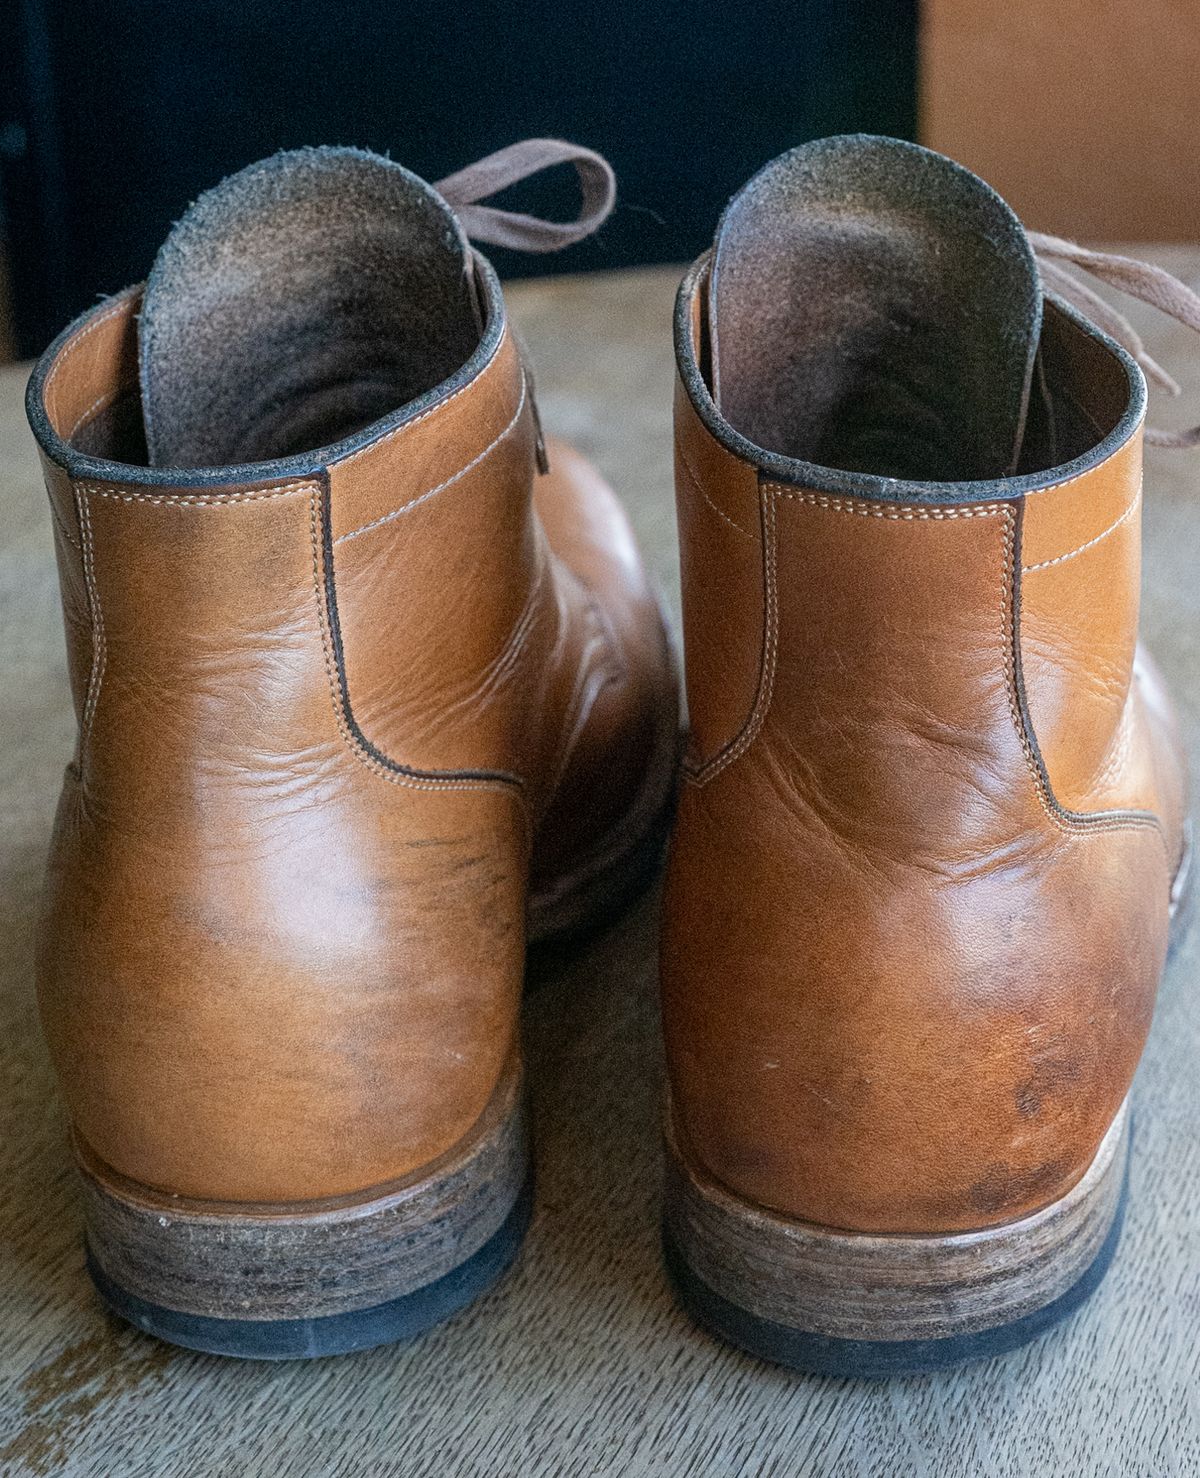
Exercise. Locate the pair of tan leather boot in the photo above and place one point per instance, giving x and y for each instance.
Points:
(373, 695)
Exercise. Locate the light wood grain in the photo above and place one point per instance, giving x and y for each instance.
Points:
(578, 1364)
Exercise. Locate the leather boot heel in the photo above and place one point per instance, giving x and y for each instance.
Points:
(840, 1303)
(278, 1283)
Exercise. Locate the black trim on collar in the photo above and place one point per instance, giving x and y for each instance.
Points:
(82, 467)
(871, 488)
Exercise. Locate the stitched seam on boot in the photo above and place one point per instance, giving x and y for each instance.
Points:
(450, 481)
(197, 500)
(1046, 564)
(93, 410)
(699, 486)
(72, 346)
(700, 775)
(413, 780)
(99, 639)
(1070, 822)
(1066, 821)
(57, 519)
(433, 409)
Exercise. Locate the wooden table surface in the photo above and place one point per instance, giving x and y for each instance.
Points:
(578, 1364)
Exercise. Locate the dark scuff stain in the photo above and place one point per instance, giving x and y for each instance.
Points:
(1001, 1187)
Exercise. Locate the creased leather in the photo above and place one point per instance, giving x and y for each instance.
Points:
(282, 943)
(903, 989)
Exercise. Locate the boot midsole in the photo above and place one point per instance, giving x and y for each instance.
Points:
(860, 1286)
(315, 1259)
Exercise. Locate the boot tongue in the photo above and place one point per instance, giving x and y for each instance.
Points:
(876, 308)
(297, 302)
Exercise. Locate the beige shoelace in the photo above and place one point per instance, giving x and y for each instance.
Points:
(466, 188)
(1141, 280)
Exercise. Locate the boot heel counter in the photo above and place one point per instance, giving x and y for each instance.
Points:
(290, 1031)
(900, 992)
(946, 1061)
(239, 981)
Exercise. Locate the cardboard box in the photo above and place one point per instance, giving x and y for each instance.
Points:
(1085, 116)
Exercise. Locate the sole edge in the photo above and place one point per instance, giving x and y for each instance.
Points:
(393, 1321)
(818, 1354)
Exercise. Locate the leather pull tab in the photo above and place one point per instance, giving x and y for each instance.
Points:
(484, 223)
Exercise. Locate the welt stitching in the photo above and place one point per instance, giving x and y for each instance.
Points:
(99, 640)
(198, 500)
(393, 777)
(442, 486)
(700, 775)
(699, 486)
(441, 405)
(1046, 564)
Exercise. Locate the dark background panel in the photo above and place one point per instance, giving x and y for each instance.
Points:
(114, 115)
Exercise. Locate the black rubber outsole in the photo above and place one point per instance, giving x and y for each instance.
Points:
(818, 1354)
(397, 1320)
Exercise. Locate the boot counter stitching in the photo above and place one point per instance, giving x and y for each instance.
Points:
(700, 775)
(353, 743)
(99, 640)
(197, 500)
(699, 486)
(472, 384)
(449, 482)
(1046, 564)
(1067, 821)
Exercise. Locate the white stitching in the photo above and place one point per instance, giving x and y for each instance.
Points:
(393, 777)
(1057, 813)
(99, 640)
(92, 409)
(442, 486)
(1070, 482)
(699, 775)
(198, 500)
(905, 513)
(1045, 564)
(60, 525)
(440, 405)
(898, 513)
(699, 486)
(68, 350)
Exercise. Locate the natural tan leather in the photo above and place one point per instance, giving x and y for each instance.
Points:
(323, 720)
(917, 901)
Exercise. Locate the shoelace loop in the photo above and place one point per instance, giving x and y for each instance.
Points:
(1141, 280)
(467, 187)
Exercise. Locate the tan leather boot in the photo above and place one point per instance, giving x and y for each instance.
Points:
(932, 831)
(353, 723)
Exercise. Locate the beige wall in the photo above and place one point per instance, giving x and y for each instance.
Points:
(1086, 117)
